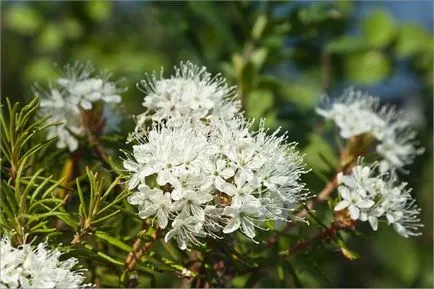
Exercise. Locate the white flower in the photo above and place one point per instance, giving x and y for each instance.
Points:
(357, 113)
(28, 267)
(75, 92)
(152, 202)
(169, 152)
(369, 196)
(241, 191)
(398, 149)
(217, 171)
(84, 88)
(209, 168)
(62, 110)
(193, 142)
(354, 201)
(186, 229)
(191, 92)
(242, 215)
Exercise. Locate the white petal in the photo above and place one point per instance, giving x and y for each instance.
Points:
(130, 166)
(177, 194)
(182, 243)
(164, 177)
(374, 222)
(170, 235)
(233, 225)
(227, 173)
(344, 192)
(225, 187)
(365, 204)
(400, 229)
(342, 205)
(85, 104)
(162, 218)
(133, 182)
(220, 164)
(248, 229)
(149, 211)
(354, 212)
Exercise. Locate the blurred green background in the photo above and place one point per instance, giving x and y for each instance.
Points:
(282, 56)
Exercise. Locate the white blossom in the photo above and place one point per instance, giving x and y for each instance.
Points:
(357, 113)
(369, 196)
(74, 93)
(215, 173)
(40, 267)
(192, 92)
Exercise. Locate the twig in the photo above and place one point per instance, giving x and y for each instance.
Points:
(138, 251)
(299, 247)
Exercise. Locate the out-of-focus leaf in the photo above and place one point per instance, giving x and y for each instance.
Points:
(393, 254)
(303, 93)
(51, 38)
(379, 28)
(130, 62)
(72, 28)
(318, 150)
(273, 41)
(367, 67)
(207, 11)
(248, 75)
(240, 281)
(412, 38)
(318, 13)
(351, 255)
(258, 102)
(347, 44)
(99, 10)
(40, 70)
(259, 26)
(258, 57)
(23, 19)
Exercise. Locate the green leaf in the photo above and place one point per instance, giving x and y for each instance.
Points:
(367, 67)
(208, 12)
(72, 28)
(102, 255)
(259, 26)
(318, 12)
(113, 241)
(391, 253)
(98, 10)
(304, 92)
(258, 57)
(379, 28)
(23, 19)
(318, 149)
(412, 39)
(40, 69)
(51, 38)
(258, 102)
(346, 44)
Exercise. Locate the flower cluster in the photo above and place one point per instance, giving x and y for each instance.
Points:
(357, 113)
(27, 267)
(192, 92)
(369, 196)
(208, 174)
(371, 192)
(78, 90)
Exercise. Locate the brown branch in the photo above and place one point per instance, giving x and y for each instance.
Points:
(135, 255)
(138, 251)
(99, 150)
(299, 247)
